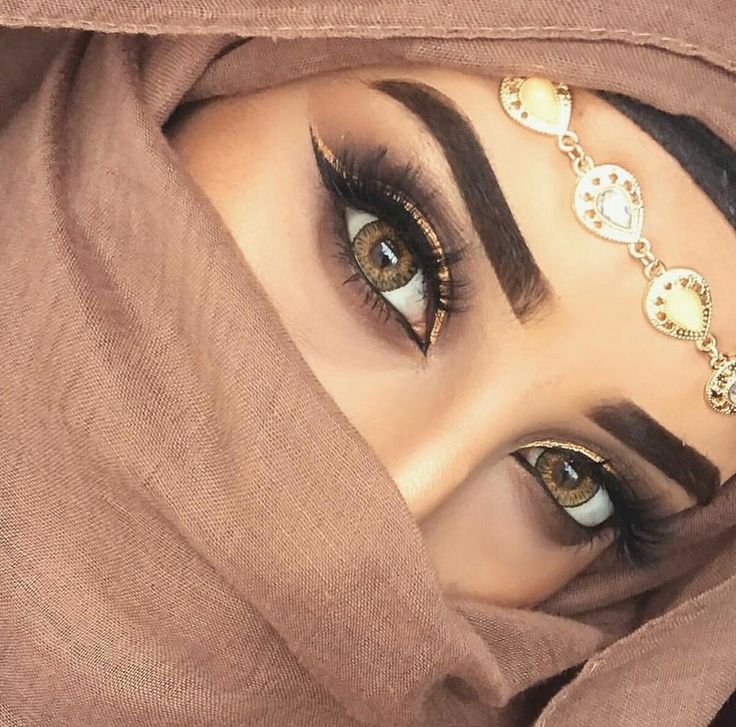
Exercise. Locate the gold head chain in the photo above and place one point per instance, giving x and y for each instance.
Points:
(608, 202)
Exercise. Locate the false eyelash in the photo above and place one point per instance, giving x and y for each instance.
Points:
(638, 528)
(366, 180)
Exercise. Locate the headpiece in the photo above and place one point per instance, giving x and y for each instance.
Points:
(608, 202)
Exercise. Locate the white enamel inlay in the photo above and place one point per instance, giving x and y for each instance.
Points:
(732, 394)
(593, 512)
(356, 220)
(410, 299)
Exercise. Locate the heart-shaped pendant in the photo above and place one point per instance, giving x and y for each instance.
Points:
(720, 391)
(537, 103)
(608, 202)
(678, 303)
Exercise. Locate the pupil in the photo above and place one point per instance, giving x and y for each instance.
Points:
(568, 476)
(384, 254)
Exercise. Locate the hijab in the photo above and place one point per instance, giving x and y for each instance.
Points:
(191, 532)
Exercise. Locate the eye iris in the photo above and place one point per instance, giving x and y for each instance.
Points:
(383, 257)
(568, 477)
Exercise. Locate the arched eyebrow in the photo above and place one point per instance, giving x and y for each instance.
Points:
(518, 274)
(683, 464)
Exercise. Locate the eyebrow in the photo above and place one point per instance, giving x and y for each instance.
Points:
(682, 463)
(518, 274)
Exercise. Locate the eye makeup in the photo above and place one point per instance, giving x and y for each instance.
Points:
(593, 497)
(385, 238)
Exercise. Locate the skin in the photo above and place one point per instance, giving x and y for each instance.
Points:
(445, 425)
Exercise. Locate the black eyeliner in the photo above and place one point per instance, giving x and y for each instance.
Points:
(368, 180)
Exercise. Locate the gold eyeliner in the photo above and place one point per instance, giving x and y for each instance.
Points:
(572, 447)
(443, 271)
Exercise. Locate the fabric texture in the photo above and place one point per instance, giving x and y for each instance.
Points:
(191, 532)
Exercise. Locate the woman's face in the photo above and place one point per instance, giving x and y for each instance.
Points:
(492, 351)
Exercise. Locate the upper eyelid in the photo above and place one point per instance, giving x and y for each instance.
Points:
(622, 468)
(398, 196)
(518, 274)
(625, 473)
(425, 204)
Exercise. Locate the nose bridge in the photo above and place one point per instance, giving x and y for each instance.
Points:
(493, 404)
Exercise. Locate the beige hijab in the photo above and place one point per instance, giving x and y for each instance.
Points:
(191, 533)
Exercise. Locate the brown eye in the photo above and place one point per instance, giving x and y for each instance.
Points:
(568, 476)
(574, 481)
(383, 257)
(389, 266)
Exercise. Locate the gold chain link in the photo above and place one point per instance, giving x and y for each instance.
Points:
(654, 269)
(642, 251)
(709, 345)
(569, 143)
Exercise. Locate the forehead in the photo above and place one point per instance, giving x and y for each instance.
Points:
(596, 330)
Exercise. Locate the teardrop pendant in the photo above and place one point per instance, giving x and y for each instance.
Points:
(678, 303)
(608, 202)
(537, 103)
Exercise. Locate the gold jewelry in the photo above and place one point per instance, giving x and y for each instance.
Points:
(569, 447)
(608, 202)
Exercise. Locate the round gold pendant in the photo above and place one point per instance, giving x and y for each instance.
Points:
(679, 304)
(537, 103)
(608, 202)
(720, 391)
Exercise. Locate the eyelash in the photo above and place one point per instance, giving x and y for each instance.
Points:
(638, 529)
(367, 181)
